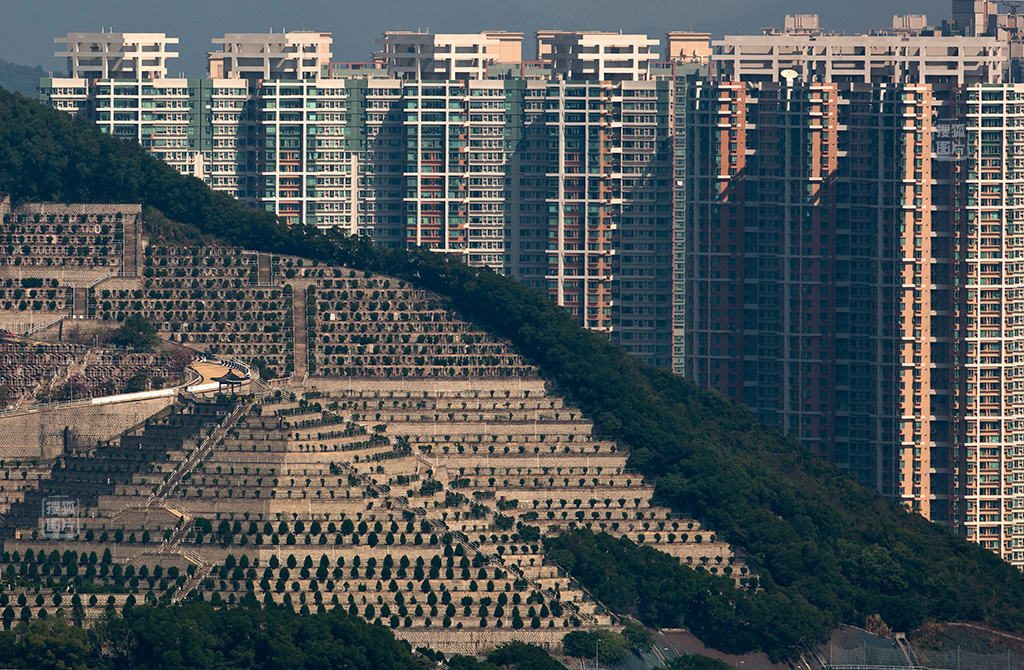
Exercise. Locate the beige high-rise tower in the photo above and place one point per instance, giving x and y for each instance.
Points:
(853, 237)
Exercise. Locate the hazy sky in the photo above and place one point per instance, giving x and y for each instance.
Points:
(27, 27)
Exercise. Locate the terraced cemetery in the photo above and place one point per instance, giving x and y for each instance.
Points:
(396, 461)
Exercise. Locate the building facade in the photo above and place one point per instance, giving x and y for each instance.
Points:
(851, 238)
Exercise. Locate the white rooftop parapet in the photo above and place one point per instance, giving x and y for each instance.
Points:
(112, 55)
(297, 54)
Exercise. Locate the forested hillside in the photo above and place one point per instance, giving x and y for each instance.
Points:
(21, 78)
(826, 549)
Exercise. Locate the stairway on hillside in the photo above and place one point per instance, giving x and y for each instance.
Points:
(130, 267)
(300, 347)
(80, 308)
(197, 456)
(263, 269)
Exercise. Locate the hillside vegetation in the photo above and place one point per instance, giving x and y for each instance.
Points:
(200, 636)
(22, 78)
(826, 550)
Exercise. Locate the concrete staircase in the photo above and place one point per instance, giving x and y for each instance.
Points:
(130, 263)
(301, 344)
(198, 454)
(264, 270)
(80, 308)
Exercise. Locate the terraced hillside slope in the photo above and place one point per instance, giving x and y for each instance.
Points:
(412, 480)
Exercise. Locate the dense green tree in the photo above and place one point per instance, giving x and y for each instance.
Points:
(522, 656)
(458, 662)
(605, 645)
(658, 590)
(51, 643)
(639, 638)
(137, 332)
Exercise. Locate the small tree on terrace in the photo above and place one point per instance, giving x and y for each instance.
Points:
(136, 333)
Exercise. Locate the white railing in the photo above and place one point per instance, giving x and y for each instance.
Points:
(46, 324)
(106, 400)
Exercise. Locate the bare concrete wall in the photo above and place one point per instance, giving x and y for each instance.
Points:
(47, 433)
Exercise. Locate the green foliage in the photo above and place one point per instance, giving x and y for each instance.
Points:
(22, 78)
(197, 635)
(135, 333)
(510, 656)
(662, 593)
(49, 643)
(521, 656)
(164, 232)
(605, 645)
(469, 663)
(639, 638)
(826, 550)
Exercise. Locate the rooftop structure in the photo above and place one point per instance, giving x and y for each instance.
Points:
(685, 45)
(934, 59)
(337, 70)
(446, 57)
(288, 55)
(596, 56)
(801, 24)
(116, 55)
(909, 22)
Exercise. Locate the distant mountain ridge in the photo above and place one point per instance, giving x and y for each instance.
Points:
(22, 79)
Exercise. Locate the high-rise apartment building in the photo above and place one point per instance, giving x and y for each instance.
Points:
(564, 183)
(851, 244)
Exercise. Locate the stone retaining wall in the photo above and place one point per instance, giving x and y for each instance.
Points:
(47, 434)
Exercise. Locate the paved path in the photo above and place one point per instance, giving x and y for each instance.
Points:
(264, 270)
(80, 304)
(130, 239)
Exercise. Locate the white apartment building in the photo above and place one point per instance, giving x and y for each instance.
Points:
(596, 56)
(297, 54)
(116, 55)
(446, 57)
